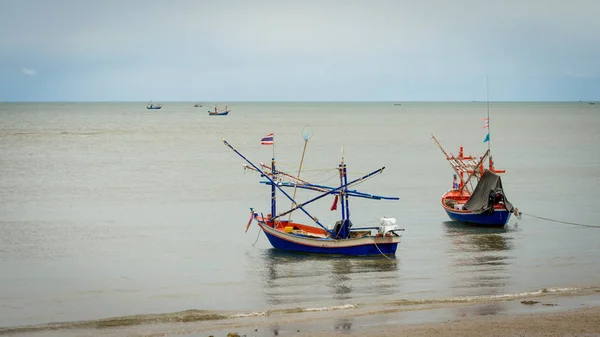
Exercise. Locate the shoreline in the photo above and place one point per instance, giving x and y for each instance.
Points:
(550, 315)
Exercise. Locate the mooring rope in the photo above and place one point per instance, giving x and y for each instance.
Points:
(259, 230)
(560, 221)
(376, 246)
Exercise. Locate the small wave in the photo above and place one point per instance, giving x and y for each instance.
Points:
(250, 314)
(316, 309)
(468, 299)
(331, 308)
(177, 317)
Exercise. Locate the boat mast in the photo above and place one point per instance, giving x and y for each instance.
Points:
(345, 171)
(489, 134)
(273, 189)
(344, 228)
(341, 193)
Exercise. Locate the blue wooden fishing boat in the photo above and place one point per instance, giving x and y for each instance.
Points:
(342, 238)
(219, 111)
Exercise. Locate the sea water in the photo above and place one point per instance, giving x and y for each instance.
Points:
(110, 210)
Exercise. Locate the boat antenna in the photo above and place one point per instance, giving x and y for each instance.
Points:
(487, 95)
(306, 135)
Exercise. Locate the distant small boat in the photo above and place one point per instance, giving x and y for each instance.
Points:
(219, 111)
(197, 105)
(153, 106)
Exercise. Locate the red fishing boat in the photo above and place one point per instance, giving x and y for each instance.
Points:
(477, 195)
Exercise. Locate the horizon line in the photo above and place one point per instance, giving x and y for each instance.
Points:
(308, 101)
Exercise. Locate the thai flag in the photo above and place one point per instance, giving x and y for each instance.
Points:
(486, 123)
(267, 140)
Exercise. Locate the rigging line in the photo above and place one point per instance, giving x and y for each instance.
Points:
(363, 180)
(322, 181)
(288, 174)
(311, 169)
(366, 223)
(286, 164)
(559, 221)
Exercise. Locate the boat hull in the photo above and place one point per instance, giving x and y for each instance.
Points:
(364, 246)
(498, 218)
(225, 113)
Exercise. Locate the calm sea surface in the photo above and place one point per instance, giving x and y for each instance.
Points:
(110, 210)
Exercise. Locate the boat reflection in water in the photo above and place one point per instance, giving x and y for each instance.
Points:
(318, 281)
(480, 262)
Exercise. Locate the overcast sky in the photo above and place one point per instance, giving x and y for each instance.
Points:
(305, 50)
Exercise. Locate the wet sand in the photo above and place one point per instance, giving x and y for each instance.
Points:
(579, 322)
(537, 316)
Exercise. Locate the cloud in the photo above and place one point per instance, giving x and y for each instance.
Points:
(314, 48)
(29, 71)
(583, 75)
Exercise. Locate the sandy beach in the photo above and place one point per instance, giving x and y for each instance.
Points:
(538, 316)
(580, 322)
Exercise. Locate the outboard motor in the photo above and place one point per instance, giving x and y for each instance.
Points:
(388, 225)
(494, 198)
(498, 196)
